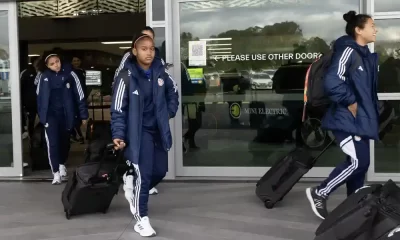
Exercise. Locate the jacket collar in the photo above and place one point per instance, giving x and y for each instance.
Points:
(347, 41)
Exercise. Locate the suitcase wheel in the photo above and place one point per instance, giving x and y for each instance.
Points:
(269, 204)
(105, 211)
(68, 214)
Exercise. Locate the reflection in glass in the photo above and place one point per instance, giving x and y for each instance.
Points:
(158, 10)
(6, 151)
(387, 151)
(386, 5)
(243, 78)
(159, 40)
(388, 48)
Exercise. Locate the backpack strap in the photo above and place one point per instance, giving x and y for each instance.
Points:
(303, 118)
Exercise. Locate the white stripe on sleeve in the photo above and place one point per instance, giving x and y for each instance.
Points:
(342, 63)
(119, 96)
(22, 73)
(78, 86)
(122, 64)
(37, 78)
(38, 84)
(173, 81)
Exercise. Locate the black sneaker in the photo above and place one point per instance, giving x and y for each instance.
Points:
(318, 203)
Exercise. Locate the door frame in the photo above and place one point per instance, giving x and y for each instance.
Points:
(372, 175)
(182, 171)
(17, 169)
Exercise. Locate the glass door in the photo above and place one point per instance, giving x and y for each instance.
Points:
(241, 66)
(10, 129)
(385, 162)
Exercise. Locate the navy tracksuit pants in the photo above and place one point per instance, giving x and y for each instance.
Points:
(352, 171)
(152, 168)
(57, 139)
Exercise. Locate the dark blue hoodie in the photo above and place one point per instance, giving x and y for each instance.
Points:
(61, 94)
(345, 87)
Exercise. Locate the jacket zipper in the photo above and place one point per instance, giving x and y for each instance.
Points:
(155, 95)
(65, 112)
(140, 127)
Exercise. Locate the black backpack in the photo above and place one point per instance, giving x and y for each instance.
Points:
(315, 98)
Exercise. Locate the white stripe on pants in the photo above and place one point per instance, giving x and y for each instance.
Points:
(348, 148)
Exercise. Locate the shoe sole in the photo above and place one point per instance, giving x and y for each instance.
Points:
(310, 199)
(152, 235)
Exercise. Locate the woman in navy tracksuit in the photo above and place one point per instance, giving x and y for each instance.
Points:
(144, 99)
(125, 59)
(59, 94)
(351, 84)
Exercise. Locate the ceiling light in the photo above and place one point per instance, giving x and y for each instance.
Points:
(33, 55)
(124, 47)
(120, 42)
(215, 39)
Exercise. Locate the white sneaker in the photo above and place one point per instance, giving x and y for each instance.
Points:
(144, 228)
(63, 170)
(128, 189)
(153, 191)
(56, 179)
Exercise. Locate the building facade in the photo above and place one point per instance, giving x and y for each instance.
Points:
(240, 68)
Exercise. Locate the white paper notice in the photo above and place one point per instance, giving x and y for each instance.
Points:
(197, 53)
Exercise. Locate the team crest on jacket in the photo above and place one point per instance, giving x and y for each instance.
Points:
(67, 85)
(160, 82)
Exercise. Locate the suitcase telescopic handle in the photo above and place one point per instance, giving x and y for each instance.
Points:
(323, 150)
(109, 147)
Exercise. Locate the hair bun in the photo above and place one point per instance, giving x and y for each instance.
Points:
(350, 16)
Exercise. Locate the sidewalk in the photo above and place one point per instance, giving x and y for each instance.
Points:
(182, 211)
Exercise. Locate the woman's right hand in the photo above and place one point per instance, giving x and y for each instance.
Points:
(119, 144)
(353, 109)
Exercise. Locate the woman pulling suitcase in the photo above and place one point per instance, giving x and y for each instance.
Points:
(353, 115)
(146, 97)
(59, 100)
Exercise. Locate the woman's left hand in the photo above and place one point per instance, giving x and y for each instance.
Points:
(84, 122)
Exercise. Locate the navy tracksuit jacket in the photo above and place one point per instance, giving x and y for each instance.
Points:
(140, 116)
(60, 101)
(345, 87)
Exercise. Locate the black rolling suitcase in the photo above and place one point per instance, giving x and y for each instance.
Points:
(371, 213)
(284, 174)
(38, 149)
(92, 186)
